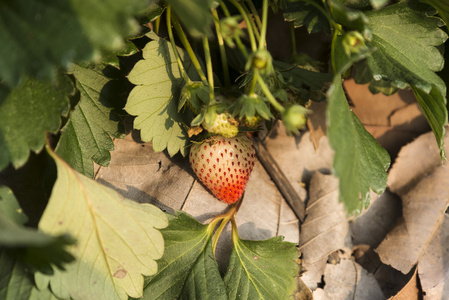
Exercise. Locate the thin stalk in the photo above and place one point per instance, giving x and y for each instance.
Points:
(225, 218)
(210, 74)
(255, 13)
(175, 50)
(293, 38)
(157, 23)
(267, 92)
(252, 24)
(224, 60)
(247, 21)
(237, 39)
(263, 31)
(185, 42)
(253, 85)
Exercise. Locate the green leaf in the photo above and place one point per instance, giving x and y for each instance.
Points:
(37, 36)
(307, 13)
(16, 282)
(359, 162)
(309, 83)
(194, 14)
(10, 207)
(86, 137)
(433, 106)
(35, 249)
(364, 4)
(405, 39)
(262, 269)
(117, 239)
(443, 8)
(350, 18)
(188, 269)
(26, 113)
(154, 100)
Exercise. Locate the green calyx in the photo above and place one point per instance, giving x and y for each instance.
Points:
(294, 117)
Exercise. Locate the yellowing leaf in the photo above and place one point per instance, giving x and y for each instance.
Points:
(117, 239)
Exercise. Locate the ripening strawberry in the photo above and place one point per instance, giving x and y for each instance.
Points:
(223, 165)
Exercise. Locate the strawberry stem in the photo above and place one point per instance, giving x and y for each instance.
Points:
(224, 218)
(255, 13)
(210, 72)
(237, 39)
(221, 45)
(185, 42)
(175, 49)
(267, 92)
(263, 31)
(248, 23)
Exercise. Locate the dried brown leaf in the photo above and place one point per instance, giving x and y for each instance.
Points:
(348, 280)
(325, 228)
(423, 213)
(410, 291)
(433, 267)
(415, 161)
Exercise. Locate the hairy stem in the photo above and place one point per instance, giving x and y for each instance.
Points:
(248, 22)
(255, 13)
(175, 49)
(185, 42)
(224, 60)
(267, 92)
(210, 72)
(237, 39)
(293, 38)
(263, 31)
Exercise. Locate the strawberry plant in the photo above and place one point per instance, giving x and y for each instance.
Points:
(199, 80)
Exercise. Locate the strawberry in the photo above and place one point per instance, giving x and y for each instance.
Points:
(223, 165)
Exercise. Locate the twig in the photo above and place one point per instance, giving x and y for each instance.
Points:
(279, 178)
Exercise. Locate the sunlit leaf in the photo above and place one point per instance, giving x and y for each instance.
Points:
(117, 239)
(405, 39)
(155, 98)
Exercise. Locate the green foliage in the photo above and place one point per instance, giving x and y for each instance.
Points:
(86, 137)
(34, 249)
(154, 100)
(261, 269)
(360, 162)
(38, 36)
(307, 13)
(17, 282)
(26, 113)
(117, 239)
(443, 8)
(195, 15)
(188, 270)
(64, 81)
(405, 40)
(187, 267)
